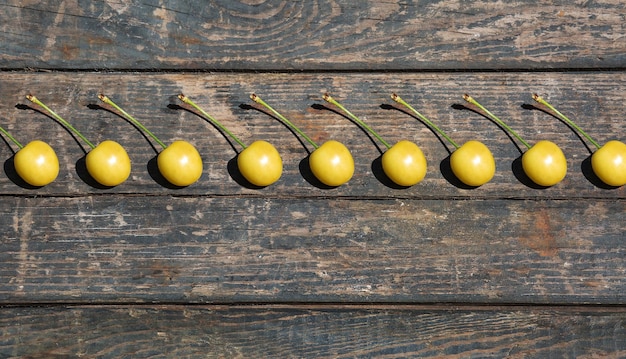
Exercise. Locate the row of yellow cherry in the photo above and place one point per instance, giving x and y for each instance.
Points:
(331, 163)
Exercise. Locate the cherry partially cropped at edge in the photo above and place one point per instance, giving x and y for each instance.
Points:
(608, 161)
(179, 163)
(404, 163)
(331, 163)
(36, 163)
(544, 162)
(472, 163)
(107, 163)
(259, 163)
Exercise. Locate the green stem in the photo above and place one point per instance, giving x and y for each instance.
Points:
(258, 100)
(36, 101)
(108, 101)
(6, 133)
(564, 118)
(399, 100)
(331, 100)
(469, 99)
(186, 100)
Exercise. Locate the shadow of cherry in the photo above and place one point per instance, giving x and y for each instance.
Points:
(590, 175)
(381, 176)
(83, 174)
(522, 177)
(305, 171)
(9, 170)
(448, 174)
(153, 171)
(235, 174)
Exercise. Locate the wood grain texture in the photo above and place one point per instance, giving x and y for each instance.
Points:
(219, 241)
(223, 269)
(593, 100)
(312, 35)
(309, 332)
(135, 249)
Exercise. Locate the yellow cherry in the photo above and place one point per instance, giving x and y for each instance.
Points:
(608, 162)
(404, 163)
(259, 163)
(107, 163)
(331, 163)
(179, 163)
(472, 163)
(36, 163)
(544, 163)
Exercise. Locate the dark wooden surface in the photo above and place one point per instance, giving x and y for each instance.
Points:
(219, 269)
(319, 35)
(309, 331)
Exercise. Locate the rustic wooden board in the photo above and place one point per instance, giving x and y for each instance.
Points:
(310, 332)
(594, 100)
(312, 35)
(131, 249)
(219, 241)
(222, 269)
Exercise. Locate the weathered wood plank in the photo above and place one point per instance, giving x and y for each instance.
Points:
(307, 332)
(312, 35)
(102, 249)
(366, 242)
(594, 100)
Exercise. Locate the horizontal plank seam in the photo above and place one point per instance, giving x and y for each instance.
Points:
(328, 306)
(320, 197)
(323, 71)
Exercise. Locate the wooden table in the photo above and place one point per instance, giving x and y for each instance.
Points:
(294, 270)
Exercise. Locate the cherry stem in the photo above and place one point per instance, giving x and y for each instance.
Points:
(331, 100)
(6, 133)
(399, 100)
(564, 118)
(258, 100)
(186, 100)
(36, 101)
(469, 99)
(108, 101)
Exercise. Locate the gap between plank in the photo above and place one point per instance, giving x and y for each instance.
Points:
(321, 71)
(330, 306)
